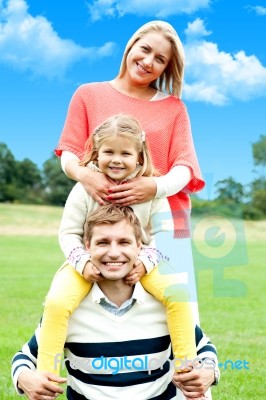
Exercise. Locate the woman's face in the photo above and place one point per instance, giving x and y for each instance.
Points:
(148, 58)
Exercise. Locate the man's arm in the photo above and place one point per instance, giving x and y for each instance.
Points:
(27, 380)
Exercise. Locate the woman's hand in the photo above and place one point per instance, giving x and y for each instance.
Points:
(136, 191)
(96, 184)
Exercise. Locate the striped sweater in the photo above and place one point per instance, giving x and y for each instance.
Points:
(116, 357)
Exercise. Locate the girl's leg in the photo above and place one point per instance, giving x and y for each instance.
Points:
(173, 294)
(66, 292)
(175, 288)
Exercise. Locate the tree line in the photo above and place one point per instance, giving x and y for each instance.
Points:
(23, 182)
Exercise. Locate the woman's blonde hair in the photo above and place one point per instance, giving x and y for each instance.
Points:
(171, 79)
(128, 127)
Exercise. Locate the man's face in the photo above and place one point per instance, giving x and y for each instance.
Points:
(114, 249)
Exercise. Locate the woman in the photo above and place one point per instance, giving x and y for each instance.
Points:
(148, 87)
(153, 60)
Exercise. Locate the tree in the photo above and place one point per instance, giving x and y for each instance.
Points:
(258, 186)
(8, 174)
(57, 184)
(30, 185)
(229, 191)
(259, 151)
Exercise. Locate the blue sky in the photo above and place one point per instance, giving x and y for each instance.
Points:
(49, 48)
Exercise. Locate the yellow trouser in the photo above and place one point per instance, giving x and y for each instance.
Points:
(69, 288)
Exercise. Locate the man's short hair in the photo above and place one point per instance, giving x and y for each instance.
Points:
(111, 214)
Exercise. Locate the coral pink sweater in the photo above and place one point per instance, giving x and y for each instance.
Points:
(167, 128)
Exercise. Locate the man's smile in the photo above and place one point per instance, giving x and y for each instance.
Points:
(114, 264)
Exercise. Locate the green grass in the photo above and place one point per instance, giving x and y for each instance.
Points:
(237, 326)
(27, 264)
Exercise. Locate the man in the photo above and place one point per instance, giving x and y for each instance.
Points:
(118, 344)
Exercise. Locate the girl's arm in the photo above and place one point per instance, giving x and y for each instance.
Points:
(143, 189)
(71, 229)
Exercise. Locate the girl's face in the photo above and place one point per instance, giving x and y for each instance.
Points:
(148, 58)
(117, 157)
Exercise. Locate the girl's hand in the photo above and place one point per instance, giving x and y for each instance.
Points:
(136, 191)
(137, 272)
(96, 184)
(91, 273)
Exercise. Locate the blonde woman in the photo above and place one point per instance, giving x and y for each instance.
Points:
(149, 87)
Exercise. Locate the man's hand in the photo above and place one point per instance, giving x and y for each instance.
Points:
(91, 273)
(195, 383)
(40, 385)
(137, 272)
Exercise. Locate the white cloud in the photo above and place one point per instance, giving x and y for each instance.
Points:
(30, 43)
(259, 10)
(156, 8)
(196, 29)
(217, 77)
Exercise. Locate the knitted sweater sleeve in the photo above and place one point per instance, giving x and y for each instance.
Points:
(182, 151)
(76, 128)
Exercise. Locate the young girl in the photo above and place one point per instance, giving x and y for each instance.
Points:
(119, 150)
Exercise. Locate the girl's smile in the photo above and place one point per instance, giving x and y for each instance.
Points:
(117, 157)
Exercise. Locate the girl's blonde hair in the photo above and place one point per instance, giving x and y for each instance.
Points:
(171, 79)
(128, 127)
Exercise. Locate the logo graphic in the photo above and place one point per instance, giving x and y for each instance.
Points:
(218, 243)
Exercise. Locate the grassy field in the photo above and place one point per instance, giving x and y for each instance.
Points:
(234, 319)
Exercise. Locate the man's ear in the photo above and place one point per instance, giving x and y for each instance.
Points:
(87, 245)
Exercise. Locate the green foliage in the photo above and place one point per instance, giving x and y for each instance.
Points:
(209, 207)
(57, 184)
(230, 191)
(29, 183)
(258, 186)
(8, 171)
(23, 182)
(259, 151)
